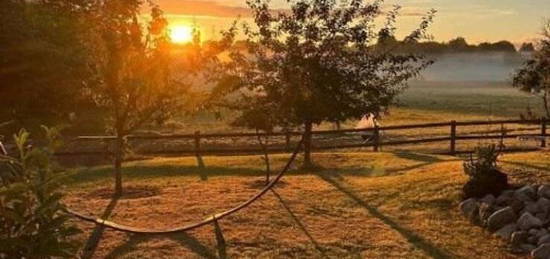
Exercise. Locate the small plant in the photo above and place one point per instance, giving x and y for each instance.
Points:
(485, 178)
(32, 222)
(485, 162)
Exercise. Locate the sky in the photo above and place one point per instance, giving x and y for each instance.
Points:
(476, 20)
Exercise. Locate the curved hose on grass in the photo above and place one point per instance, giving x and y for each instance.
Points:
(211, 219)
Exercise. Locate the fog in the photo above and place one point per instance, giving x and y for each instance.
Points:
(494, 67)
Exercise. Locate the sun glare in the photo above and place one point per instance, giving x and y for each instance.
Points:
(181, 34)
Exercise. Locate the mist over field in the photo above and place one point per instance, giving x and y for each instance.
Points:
(473, 67)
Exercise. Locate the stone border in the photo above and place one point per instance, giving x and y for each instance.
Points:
(520, 216)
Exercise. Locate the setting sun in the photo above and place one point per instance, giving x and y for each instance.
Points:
(181, 34)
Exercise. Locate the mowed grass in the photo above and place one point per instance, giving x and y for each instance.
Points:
(360, 205)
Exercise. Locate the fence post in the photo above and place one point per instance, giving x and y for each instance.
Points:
(198, 149)
(543, 132)
(453, 137)
(287, 140)
(376, 138)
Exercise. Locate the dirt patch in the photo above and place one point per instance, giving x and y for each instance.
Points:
(130, 192)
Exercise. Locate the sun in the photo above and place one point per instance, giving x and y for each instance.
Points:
(181, 34)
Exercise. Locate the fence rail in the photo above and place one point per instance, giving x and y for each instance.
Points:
(376, 141)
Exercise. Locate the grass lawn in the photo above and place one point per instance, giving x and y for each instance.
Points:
(374, 205)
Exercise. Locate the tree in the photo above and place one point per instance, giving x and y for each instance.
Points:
(133, 80)
(459, 44)
(259, 114)
(319, 62)
(534, 76)
(527, 47)
(43, 67)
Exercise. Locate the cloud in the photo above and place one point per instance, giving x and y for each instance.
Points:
(217, 9)
(203, 8)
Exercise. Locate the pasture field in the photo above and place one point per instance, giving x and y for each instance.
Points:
(375, 205)
(422, 102)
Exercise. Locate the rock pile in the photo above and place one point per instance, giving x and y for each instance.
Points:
(520, 216)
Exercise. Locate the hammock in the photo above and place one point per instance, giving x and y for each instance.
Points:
(211, 219)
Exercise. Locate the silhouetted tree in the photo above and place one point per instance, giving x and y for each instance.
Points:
(534, 76)
(134, 83)
(43, 67)
(317, 62)
(527, 47)
(258, 113)
(458, 45)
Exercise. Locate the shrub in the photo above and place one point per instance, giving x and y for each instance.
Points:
(32, 222)
(485, 178)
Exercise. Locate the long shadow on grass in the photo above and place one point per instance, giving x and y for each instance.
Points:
(97, 233)
(374, 171)
(411, 237)
(299, 223)
(184, 239)
(424, 159)
(530, 166)
(137, 172)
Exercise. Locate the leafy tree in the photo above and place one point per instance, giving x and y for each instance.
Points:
(259, 114)
(32, 219)
(318, 62)
(458, 44)
(504, 46)
(43, 67)
(534, 76)
(527, 47)
(134, 82)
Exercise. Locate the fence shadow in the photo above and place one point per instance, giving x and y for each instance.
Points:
(93, 241)
(299, 223)
(413, 238)
(526, 165)
(137, 172)
(183, 239)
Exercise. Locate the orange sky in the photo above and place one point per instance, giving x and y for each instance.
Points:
(477, 20)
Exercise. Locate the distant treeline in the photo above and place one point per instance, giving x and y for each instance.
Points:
(457, 45)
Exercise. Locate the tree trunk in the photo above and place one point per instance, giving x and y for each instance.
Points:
(266, 155)
(307, 145)
(119, 150)
(546, 105)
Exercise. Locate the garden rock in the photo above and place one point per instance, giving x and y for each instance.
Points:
(485, 211)
(506, 231)
(525, 194)
(501, 218)
(527, 247)
(505, 198)
(544, 191)
(542, 252)
(528, 221)
(532, 208)
(544, 205)
(488, 199)
(469, 207)
(518, 238)
(517, 205)
(544, 240)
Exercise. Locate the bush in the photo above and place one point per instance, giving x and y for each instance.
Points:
(485, 178)
(32, 219)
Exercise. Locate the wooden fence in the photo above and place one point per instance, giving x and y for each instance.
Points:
(376, 141)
